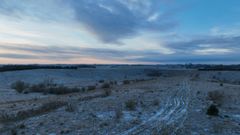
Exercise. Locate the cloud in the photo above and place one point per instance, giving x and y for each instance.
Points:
(41, 10)
(109, 21)
(213, 51)
(203, 49)
(17, 56)
(25, 51)
(217, 43)
(114, 20)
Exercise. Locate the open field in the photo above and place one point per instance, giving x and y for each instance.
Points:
(121, 100)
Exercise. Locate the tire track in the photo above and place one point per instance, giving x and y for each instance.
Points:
(173, 112)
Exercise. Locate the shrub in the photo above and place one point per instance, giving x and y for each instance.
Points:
(92, 87)
(221, 84)
(113, 82)
(106, 85)
(71, 107)
(126, 82)
(156, 102)
(19, 86)
(23, 114)
(153, 73)
(52, 89)
(107, 92)
(118, 114)
(216, 96)
(131, 104)
(212, 110)
(101, 81)
(22, 126)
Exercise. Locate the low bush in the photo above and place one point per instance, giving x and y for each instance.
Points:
(101, 81)
(44, 87)
(20, 86)
(106, 85)
(113, 82)
(107, 92)
(118, 114)
(23, 114)
(212, 110)
(52, 89)
(71, 107)
(216, 96)
(153, 73)
(126, 82)
(156, 102)
(131, 104)
(92, 87)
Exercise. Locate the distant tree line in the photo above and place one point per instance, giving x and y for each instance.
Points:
(6, 68)
(205, 67)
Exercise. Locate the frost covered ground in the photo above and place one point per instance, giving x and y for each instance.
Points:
(176, 102)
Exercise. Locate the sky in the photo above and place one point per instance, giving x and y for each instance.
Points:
(119, 31)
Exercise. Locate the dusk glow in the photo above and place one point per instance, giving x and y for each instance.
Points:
(119, 31)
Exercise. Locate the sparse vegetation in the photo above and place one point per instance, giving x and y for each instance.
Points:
(53, 89)
(44, 87)
(23, 114)
(20, 86)
(131, 104)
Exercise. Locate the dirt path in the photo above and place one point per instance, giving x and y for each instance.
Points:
(174, 112)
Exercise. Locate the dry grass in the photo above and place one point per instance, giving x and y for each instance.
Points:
(23, 114)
